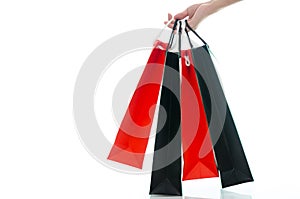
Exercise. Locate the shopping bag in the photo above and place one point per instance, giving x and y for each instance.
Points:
(166, 169)
(194, 119)
(228, 150)
(199, 161)
(133, 134)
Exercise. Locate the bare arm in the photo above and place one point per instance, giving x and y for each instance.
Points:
(197, 12)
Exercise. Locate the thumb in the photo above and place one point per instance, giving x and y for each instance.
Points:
(181, 15)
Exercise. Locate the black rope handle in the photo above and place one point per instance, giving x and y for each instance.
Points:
(191, 29)
(172, 35)
(188, 36)
(179, 38)
(175, 24)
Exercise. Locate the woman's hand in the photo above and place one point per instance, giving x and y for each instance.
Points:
(197, 12)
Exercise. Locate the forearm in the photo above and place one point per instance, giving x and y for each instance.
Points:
(215, 5)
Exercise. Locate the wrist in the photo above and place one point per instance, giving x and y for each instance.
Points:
(211, 7)
(216, 5)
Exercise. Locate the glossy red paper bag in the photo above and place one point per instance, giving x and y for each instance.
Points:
(197, 147)
(132, 138)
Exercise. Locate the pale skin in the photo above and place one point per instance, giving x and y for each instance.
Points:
(198, 12)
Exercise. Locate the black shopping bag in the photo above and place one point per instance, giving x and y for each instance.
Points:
(166, 171)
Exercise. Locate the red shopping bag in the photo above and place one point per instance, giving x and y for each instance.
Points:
(133, 135)
(198, 153)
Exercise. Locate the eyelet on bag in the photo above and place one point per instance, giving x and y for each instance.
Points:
(187, 60)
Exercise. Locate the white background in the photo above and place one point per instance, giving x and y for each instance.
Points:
(43, 45)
